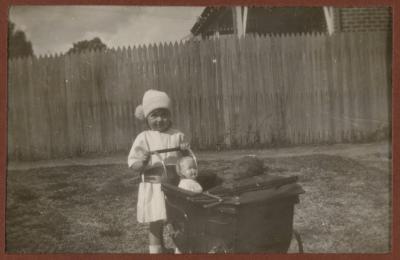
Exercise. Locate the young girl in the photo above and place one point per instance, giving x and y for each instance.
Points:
(156, 112)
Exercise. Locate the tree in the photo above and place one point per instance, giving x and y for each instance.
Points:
(93, 44)
(18, 45)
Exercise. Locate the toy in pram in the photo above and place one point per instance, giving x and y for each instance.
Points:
(253, 217)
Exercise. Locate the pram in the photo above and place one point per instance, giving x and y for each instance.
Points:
(253, 217)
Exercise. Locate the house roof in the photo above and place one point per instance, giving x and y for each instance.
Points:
(210, 15)
(206, 17)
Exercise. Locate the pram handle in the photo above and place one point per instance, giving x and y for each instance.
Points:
(175, 149)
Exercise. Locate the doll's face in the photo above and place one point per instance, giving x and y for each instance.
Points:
(188, 169)
(159, 120)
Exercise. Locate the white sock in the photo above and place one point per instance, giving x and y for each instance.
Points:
(155, 249)
(177, 251)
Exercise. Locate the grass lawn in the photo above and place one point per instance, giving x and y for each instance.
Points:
(83, 209)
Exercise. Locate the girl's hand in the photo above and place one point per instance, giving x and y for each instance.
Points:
(184, 146)
(141, 163)
(146, 157)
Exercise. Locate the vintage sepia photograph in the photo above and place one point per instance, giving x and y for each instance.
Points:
(199, 129)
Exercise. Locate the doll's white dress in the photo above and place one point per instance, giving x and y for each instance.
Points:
(191, 185)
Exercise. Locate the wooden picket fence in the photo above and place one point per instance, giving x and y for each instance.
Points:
(256, 91)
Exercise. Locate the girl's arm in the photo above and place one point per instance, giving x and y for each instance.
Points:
(138, 156)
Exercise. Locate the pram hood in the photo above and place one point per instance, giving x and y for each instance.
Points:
(266, 195)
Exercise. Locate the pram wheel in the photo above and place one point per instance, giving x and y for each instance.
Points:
(297, 237)
(296, 243)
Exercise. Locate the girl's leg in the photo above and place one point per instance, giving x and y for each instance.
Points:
(156, 237)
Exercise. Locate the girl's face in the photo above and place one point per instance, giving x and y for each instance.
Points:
(159, 120)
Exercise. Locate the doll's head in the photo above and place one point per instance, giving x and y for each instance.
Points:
(155, 110)
(186, 168)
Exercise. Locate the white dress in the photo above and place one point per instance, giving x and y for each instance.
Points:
(151, 201)
(191, 185)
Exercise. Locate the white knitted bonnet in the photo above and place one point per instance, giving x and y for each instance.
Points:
(152, 99)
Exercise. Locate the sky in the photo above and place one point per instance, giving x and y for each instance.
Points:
(53, 29)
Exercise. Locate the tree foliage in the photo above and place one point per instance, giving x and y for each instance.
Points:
(18, 45)
(93, 44)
